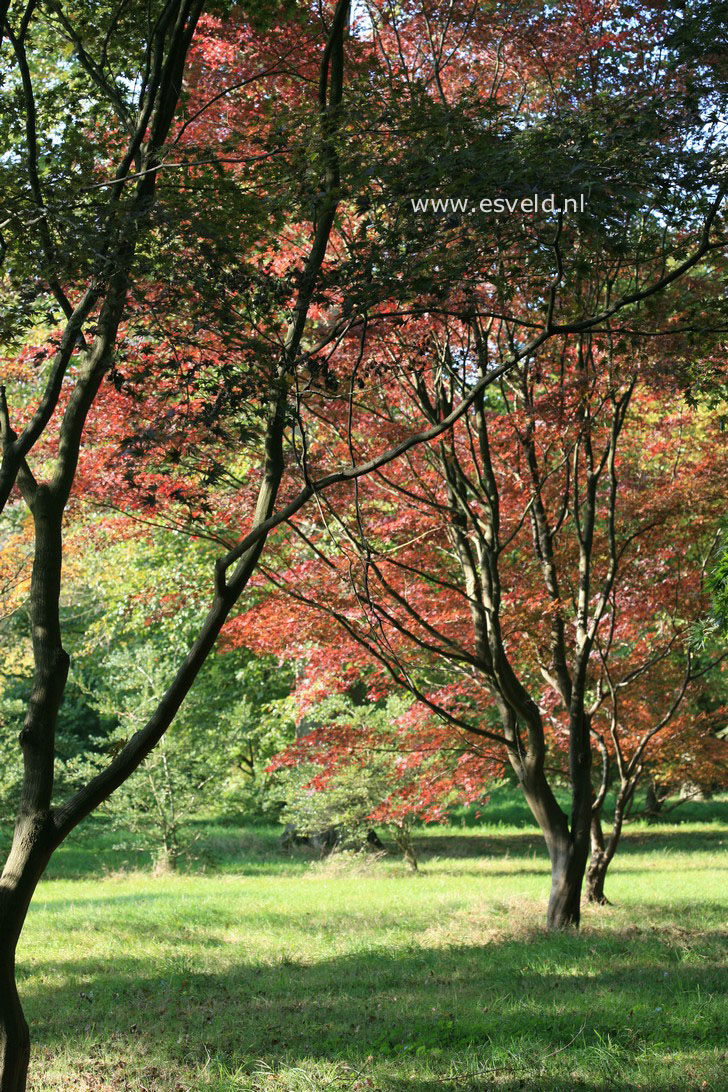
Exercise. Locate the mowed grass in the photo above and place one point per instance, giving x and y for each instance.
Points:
(258, 970)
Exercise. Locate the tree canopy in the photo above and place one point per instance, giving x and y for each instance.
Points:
(255, 293)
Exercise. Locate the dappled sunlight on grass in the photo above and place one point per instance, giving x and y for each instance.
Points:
(361, 975)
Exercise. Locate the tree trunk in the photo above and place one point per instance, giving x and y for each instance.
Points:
(28, 857)
(595, 877)
(690, 790)
(567, 876)
(602, 852)
(34, 837)
(14, 1034)
(653, 803)
(597, 870)
(568, 850)
(165, 861)
(408, 852)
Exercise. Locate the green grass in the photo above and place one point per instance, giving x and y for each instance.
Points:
(257, 970)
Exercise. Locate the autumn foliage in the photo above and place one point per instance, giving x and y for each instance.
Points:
(471, 459)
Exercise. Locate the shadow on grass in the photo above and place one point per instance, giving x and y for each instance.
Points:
(476, 845)
(604, 998)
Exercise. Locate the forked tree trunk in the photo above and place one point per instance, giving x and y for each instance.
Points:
(595, 876)
(568, 849)
(567, 876)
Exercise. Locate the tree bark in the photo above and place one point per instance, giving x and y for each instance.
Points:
(567, 875)
(595, 877)
(14, 1034)
(403, 838)
(653, 803)
(34, 836)
(28, 857)
(568, 849)
(602, 851)
(597, 870)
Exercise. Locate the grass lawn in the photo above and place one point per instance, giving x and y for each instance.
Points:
(268, 971)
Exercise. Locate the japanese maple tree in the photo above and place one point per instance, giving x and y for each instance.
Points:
(533, 579)
(208, 233)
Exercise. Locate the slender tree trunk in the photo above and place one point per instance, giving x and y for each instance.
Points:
(170, 853)
(597, 870)
(653, 804)
(34, 836)
(14, 1034)
(28, 857)
(16, 891)
(603, 850)
(595, 877)
(404, 841)
(172, 850)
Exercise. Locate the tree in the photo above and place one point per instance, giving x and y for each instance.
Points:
(359, 764)
(460, 348)
(99, 264)
(191, 244)
(229, 728)
(523, 578)
(608, 260)
(192, 768)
